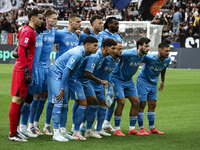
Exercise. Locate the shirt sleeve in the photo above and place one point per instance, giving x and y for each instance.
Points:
(22, 55)
(91, 63)
(25, 38)
(57, 36)
(72, 61)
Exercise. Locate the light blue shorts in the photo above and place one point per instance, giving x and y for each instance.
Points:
(79, 90)
(146, 90)
(42, 78)
(123, 88)
(54, 87)
(99, 90)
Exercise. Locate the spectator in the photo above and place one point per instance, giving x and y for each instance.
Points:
(176, 21)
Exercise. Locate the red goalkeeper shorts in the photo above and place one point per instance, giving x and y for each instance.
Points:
(18, 86)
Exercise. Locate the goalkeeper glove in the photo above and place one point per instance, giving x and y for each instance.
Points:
(27, 78)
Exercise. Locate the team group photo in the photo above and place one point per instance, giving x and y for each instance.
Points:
(80, 74)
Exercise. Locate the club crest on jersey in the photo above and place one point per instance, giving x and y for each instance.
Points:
(26, 40)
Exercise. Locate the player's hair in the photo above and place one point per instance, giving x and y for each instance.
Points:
(90, 39)
(72, 16)
(49, 12)
(118, 42)
(34, 12)
(109, 20)
(109, 42)
(163, 45)
(94, 18)
(143, 40)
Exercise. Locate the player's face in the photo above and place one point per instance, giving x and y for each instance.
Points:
(114, 26)
(38, 20)
(93, 47)
(98, 25)
(51, 20)
(145, 48)
(164, 53)
(111, 50)
(76, 23)
(118, 50)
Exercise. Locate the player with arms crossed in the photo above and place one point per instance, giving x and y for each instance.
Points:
(63, 68)
(124, 86)
(22, 71)
(147, 85)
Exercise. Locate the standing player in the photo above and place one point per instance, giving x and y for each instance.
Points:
(107, 67)
(33, 86)
(63, 68)
(67, 38)
(43, 66)
(22, 71)
(111, 28)
(147, 85)
(124, 86)
(97, 26)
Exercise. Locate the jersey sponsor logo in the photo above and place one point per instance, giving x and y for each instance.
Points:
(48, 39)
(165, 64)
(38, 44)
(67, 43)
(109, 69)
(26, 40)
(156, 68)
(134, 63)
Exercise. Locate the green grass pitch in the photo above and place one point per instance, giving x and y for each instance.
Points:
(177, 114)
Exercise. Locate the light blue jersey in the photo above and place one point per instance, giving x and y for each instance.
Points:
(66, 41)
(106, 34)
(91, 64)
(107, 67)
(72, 60)
(79, 84)
(38, 49)
(48, 41)
(153, 67)
(128, 65)
(98, 37)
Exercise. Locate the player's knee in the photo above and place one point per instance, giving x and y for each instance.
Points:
(29, 98)
(142, 105)
(121, 103)
(152, 105)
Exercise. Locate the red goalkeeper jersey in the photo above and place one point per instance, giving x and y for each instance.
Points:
(27, 39)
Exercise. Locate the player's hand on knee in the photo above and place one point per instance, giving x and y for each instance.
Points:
(105, 82)
(27, 78)
(60, 96)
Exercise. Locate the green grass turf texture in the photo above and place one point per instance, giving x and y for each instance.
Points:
(177, 114)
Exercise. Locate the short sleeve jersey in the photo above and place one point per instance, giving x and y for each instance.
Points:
(153, 67)
(27, 39)
(48, 41)
(66, 41)
(115, 36)
(109, 64)
(128, 65)
(99, 37)
(91, 64)
(72, 59)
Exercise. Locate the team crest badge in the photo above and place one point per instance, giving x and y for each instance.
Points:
(109, 94)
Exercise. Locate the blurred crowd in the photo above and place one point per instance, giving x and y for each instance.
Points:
(179, 17)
